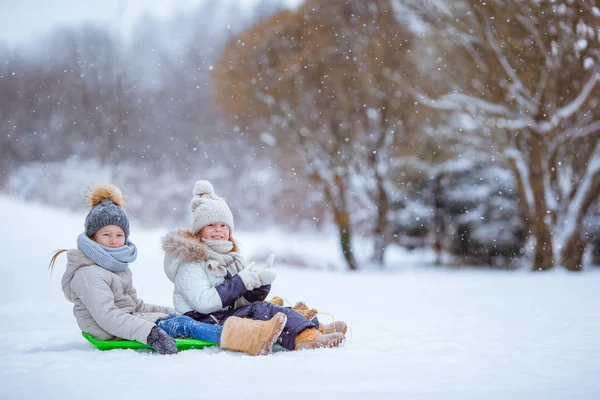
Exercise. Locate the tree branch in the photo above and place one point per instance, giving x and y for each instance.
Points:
(522, 170)
(568, 110)
(572, 134)
(518, 89)
(584, 195)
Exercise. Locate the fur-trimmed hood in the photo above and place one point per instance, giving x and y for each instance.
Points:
(182, 245)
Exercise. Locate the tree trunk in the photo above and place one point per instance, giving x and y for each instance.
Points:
(571, 256)
(544, 259)
(524, 210)
(381, 225)
(341, 217)
(379, 246)
(438, 220)
(345, 239)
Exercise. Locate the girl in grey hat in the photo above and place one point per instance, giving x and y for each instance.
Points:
(214, 285)
(98, 282)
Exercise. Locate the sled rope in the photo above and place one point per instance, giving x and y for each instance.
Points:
(302, 308)
(329, 315)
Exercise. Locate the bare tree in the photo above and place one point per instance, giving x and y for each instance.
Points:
(325, 95)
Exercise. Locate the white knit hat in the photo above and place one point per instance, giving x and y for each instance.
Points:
(208, 208)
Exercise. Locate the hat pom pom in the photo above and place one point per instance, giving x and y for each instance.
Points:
(105, 192)
(202, 188)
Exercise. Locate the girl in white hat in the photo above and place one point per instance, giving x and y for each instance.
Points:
(213, 284)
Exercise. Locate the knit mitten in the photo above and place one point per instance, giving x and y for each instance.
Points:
(267, 276)
(266, 273)
(250, 278)
(160, 341)
(303, 309)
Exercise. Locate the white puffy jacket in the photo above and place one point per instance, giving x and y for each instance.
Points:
(195, 286)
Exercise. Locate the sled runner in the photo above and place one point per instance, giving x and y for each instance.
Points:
(182, 344)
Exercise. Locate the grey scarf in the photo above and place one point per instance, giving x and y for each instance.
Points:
(112, 259)
(222, 257)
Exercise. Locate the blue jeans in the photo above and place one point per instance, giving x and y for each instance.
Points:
(185, 327)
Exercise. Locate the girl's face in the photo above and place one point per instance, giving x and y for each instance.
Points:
(110, 236)
(216, 231)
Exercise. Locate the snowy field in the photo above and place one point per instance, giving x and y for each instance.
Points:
(417, 332)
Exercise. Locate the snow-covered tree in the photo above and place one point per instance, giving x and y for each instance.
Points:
(531, 83)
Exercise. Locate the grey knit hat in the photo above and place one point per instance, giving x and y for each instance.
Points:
(106, 208)
(208, 208)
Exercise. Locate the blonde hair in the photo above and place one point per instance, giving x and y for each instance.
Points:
(235, 246)
(53, 259)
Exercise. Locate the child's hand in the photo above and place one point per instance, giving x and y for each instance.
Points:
(252, 266)
(267, 274)
(250, 277)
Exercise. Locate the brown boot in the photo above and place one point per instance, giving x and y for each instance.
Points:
(311, 338)
(250, 336)
(335, 326)
(278, 301)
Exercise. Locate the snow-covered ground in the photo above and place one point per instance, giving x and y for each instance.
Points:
(416, 332)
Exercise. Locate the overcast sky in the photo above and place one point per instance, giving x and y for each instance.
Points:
(24, 20)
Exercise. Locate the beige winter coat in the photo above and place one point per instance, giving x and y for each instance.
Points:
(105, 303)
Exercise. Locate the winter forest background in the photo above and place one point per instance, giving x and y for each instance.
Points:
(470, 128)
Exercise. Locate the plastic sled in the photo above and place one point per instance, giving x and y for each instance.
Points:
(182, 344)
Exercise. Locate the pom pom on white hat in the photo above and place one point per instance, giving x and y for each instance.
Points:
(208, 208)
